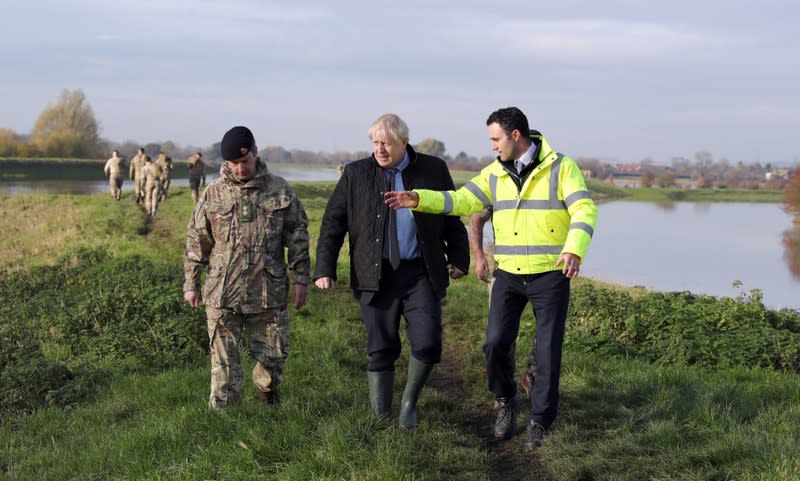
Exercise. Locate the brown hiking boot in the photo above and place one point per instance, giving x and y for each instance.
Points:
(526, 383)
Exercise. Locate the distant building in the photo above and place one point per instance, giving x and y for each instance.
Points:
(627, 169)
(777, 174)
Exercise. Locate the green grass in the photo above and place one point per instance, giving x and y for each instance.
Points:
(622, 418)
(703, 195)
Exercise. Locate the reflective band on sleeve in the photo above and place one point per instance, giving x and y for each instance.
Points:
(576, 196)
(448, 203)
(477, 192)
(583, 226)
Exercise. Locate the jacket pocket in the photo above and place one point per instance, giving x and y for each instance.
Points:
(273, 212)
(220, 216)
(276, 287)
(215, 282)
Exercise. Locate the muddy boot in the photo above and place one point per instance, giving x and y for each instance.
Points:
(380, 392)
(418, 373)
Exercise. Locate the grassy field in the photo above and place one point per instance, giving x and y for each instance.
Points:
(91, 281)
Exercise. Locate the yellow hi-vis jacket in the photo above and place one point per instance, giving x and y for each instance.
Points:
(552, 213)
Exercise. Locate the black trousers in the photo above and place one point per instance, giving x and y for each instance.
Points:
(548, 294)
(407, 292)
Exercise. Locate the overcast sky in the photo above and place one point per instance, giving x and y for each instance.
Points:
(617, 80)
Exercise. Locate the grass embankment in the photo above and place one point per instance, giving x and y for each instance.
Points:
(684, 194)
(104, 374)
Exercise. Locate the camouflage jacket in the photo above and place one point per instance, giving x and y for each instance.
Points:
(165, 162)
(152, 173)
(137, 166)
(241, 231)
(114, 167)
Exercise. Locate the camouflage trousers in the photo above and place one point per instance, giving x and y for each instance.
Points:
(165, 182)
(115, 186)
(139, 182)
(268, 335)
(152, 195)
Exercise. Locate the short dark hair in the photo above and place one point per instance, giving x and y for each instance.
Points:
(510, 119)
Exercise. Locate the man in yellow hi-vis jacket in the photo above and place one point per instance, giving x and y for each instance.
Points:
(543, 219)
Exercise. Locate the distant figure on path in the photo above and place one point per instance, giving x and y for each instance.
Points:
(197, 175)
(152, 186)
(136, 174)
(165, 162)
(114, 168)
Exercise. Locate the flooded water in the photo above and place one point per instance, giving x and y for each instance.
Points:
(100, 184)
(703, 248)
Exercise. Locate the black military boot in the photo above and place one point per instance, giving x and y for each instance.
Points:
(506, 423)
(381, 384)
(418, 373)
(536, 434)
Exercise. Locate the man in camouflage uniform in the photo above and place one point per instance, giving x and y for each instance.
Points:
(152, 185)
(113, 170)
(165, 162)
(136, 174)
(197, 175)
(241, 230)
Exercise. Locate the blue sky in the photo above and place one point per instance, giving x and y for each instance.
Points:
(617, 80)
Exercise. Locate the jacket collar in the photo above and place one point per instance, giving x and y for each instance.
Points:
(261, 172)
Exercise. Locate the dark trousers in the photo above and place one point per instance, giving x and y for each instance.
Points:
(548, 294)
(407, 292)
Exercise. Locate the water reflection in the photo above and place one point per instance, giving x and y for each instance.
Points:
(666, 206)
(791, 246)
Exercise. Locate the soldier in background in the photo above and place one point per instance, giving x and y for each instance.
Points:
(152, 185)
(165, 162)
(242, 230)
(113, 170)
(197, 174)
(136, 174)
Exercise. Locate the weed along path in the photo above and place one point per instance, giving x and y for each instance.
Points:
(509, 459)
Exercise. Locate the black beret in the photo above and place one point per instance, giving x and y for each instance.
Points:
(237, 142)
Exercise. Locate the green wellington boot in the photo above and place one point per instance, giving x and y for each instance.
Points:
(380, 392)
(418, 373)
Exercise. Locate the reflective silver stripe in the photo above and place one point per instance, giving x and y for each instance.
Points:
(529, 205)
(583, 226)
(477, 192)
(527, 250)
(504, 205)
(554, 172)
(448, 202)
(493, 188)
(542, 204)
(576, 196)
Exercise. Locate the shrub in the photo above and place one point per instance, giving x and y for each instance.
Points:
(684, 328)
(62, 325)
